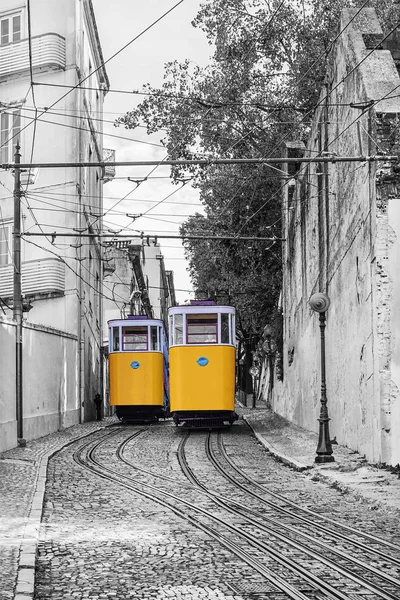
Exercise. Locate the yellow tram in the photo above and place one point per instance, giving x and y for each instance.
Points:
(138, 368)
(202, 364)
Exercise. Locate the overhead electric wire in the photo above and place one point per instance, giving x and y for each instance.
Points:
(35, 109)
(223, 104)
(79, 128)
(152, 171)
(101, 65)
(74, 113)
(69, 267)
(328, 94)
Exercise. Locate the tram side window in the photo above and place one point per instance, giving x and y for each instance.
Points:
(178, 329)
(202, 329)
(115, 345)
(225, 328)
(134, 338)
(153, 339)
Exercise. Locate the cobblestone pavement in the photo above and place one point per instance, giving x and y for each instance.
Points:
(350, 472)
(22, 485)
(92, 534)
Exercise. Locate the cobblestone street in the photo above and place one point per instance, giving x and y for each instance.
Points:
(154, 512)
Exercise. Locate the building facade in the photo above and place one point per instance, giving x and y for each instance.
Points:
(52, 88)
(341, 230)
(136, 281)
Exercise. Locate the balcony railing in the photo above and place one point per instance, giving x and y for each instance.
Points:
(43, 276)
(48, 53)
(108, 156)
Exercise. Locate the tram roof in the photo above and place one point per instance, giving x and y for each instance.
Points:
(199, 309)
(135, 320)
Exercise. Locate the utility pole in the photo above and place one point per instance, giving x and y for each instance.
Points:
(17, 297)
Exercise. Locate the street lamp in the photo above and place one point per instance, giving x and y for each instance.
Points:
(320, 304)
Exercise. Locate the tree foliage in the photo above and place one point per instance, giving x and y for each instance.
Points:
(257, 93)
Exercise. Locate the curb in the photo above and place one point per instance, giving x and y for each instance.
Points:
(297, 465)
(26, 562)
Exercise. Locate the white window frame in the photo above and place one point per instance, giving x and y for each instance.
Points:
(10, 128)
(6, 247)
(12, 36)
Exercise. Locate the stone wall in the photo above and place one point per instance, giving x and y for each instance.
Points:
(341, 223)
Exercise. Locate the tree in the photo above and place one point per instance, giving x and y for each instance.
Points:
(258, 92)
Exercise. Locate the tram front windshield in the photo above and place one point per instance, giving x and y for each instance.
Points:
(134, 338)
(202, 329)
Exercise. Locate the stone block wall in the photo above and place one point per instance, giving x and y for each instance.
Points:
(341, 229)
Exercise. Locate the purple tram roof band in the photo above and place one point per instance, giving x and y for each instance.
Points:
(202, 303)
(136, 317)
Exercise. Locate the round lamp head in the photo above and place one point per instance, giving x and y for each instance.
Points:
(319, 302)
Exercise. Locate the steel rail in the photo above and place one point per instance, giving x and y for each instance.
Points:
(294, 566)
(326, 588)
(101, 471)
(313, 513)
(343, 570)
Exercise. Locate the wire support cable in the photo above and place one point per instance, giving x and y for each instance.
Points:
(330, 158)
(144, 236)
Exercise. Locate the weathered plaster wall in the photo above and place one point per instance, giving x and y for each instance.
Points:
(341, 239)
(8, 422)
(50, 382)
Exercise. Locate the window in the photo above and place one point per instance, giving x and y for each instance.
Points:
(225, 328)
(5, 244)
(178, 329)
(10, 29)
(134, 338)
(10, 127)
(154, 339)
(115, 345)
(202, 329)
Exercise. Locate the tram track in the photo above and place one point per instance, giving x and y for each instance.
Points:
(85, 458)
(257, 519)
(306, 511)
(175, 503)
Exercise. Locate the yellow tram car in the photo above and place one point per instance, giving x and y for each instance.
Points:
(202, 364)
(138, 368)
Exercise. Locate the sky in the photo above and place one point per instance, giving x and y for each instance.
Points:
(172, 38)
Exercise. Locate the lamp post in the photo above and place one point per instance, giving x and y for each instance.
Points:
(254, 372)
(320, 304)
(269, 348)
(241, 372)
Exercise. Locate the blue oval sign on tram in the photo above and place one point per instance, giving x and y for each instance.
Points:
(202, 361)
(135, 364)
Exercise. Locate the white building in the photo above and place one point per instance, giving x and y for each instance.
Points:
(136, 281)
(52, 88)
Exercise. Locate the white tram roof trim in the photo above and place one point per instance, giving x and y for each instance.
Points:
(134, 322)
(173, 310)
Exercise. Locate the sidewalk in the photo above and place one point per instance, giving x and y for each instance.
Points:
(349, 472)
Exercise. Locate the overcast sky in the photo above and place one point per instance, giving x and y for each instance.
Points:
(172, 38)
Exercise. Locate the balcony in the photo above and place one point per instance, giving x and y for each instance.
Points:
(109, 170)
(48, 53)
(43, 277)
